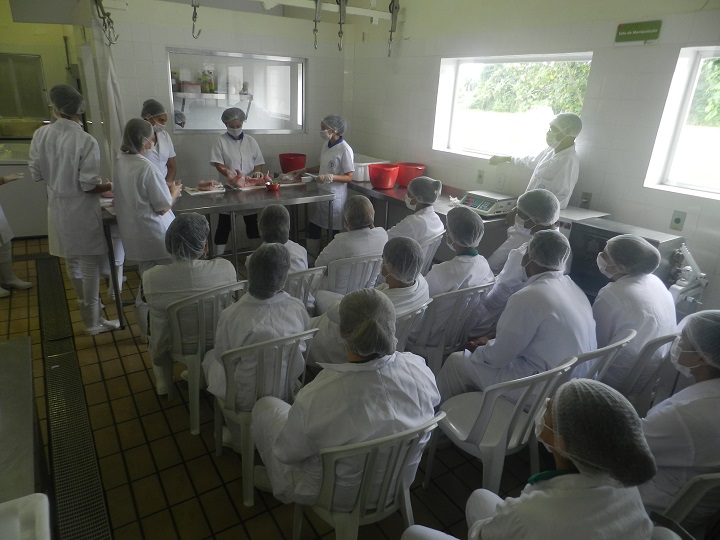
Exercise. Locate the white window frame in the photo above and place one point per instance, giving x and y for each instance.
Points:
(677, 105)
(447, 86)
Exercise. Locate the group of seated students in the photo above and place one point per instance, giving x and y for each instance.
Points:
(532, 319)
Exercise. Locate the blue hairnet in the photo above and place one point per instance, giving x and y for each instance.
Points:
(335, 122)
(403, 258)
(367, 323)
(233, 113)
(267, 270)
(274, 224)
(67, 100)
(465, 226)
(186, 237)
(425, 189)
(151, 108)
(136, 132)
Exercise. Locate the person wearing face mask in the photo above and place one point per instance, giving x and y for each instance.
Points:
(544, 323)
(683, 431)
(144, 206)
(337, 164)
(68, 160)
(162, 155)
(424, 223)
(236, 154)
(557, 167)
(634, 299)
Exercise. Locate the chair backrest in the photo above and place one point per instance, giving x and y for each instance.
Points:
(525, 396)
(361, 272)
(691, 495)
(405, 322)
(430, 247)
(387, 465)
(301, 284)
(642, 367)
(594, 364)
(269, 361)
(193, 320)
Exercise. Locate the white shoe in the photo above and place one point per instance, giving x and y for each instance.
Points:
(4, 293)
(227, 440)
(104, 326)
(184, 375)
(16, 283)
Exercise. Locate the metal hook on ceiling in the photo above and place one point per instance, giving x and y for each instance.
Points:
(195, 6)
(394, 9)
(318, 14)
(107, 23)
(343, 13)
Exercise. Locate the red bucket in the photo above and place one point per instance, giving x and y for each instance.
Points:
(409, 172)
(292, 162)
(383, 175)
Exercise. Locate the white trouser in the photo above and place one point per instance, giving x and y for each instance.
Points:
(85, 270)
(454, 378)
(481, 505)
(418, 532)
(6, 252)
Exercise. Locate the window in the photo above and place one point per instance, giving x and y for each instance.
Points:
(686, 148)
(23, 106)
(503, 105)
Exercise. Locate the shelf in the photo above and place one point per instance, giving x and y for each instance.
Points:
(192, 95)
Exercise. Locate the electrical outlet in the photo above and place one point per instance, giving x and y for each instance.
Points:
(481, 176)
(677, 222)
(585, 199)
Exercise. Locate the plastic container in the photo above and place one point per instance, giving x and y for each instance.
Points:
(292, 162)
(383, 175)
(361, 173)
(409, 172)
(272, 186)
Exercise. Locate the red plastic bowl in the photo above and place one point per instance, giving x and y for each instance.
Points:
(383, 175)
(272, 186)
(292, 162)
(409, 172)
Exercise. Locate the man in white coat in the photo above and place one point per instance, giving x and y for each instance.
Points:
(7, 276)
(423, 223)
(546, 322)
(377, 392)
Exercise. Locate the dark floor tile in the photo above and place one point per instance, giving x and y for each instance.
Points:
(454, 489)
(112, 470)
(165, 452)
(130, 434)
(149, 496)
(203, 474)
(107, 351)
(118, 388)
(86, 357)
(191, 446)
(155, 425)
(190, 520)
(178, 418)
(234, 533)
(440, 505)
(106, 441)
(219, 509)
(128, 532)
(90, 373)
(139, 381)
(159, 526)
(229, 464)
(120, 506)
(100, 415)
(246, 512)
(177, 484)
(263, 526)
(112, 368)
(139, 462)
(95, 393)
(147, 402)
(123, 409)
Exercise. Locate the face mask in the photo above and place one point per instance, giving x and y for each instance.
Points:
(235, 132)
(540, 426)
(603, 266)
(520, 226)
(675, 352)
(408, 204)
(152, 145)
(552, 139)
(324, 135)
(158, 128)
(524, 271)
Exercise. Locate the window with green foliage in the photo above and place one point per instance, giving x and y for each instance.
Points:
(503, 106)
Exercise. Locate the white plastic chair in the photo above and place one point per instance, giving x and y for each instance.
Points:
(430, 247)
(405, 322)
(457, 306)
(490, 426)
(392, 456)
(270, 360)
(361, 272)
(301, 284)
(598, 361)
(190, 319)
(690, 496)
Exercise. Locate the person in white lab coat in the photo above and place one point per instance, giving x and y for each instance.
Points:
(187, 275)
(403, 285)
(543, 211)
(235, 153)
(546, 322)
(263, 313)
(7, 275)
(68, 160)
(683, 431)
(377, 392)
(337, 164)
(424, 223)
(274, 228)
(143, 204)
(634, 299)
(162, 155)
(557, 167)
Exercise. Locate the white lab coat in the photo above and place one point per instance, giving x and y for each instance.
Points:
(68, 160)
(338, 159)
(345, 404)
(570, 506)
(328, 347)
(546, 322)
(683, 434)
(243, 155)
(420, 226)
(140, 193)
(161, 152)
(6, 233)
(249, 321)
(556, 172)
(298, 257)
(515, 239)
(165, 284)
(641, 303)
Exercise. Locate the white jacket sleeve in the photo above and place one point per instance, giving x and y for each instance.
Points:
(605, 317)
(515, 330)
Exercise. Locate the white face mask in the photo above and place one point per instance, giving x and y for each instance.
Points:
(552, 139)
(603, 266)
(157, 128)
(675, 352)
(449, 241)
(524, 271)
(520, 226)
(540, 426)
(324, 135)
(408, 204)
(235, 132)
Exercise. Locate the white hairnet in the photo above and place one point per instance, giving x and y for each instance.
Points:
(600, 432)
(702, 329)
(179, 117)
(186, 237)
(540, 205)
(425, 189)
(136, 132)
(67, 100)
(152, 107)
(358, 212)
(268, 270)
(465, 226)
(335, 122)
(274, 224)
(367, 323)
(233, 113)
(569, 123)
(403, 258)
(550, 249)
(633, 254)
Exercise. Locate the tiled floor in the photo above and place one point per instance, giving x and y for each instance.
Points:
(160, 482)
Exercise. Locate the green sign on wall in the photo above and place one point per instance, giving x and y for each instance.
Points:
(638, 31)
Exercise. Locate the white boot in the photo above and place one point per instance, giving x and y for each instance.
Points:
(94, 323)
(9, 279)
(313, 246)
(120, 279)
(4, 293)
(77, 284)
(219, 249)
